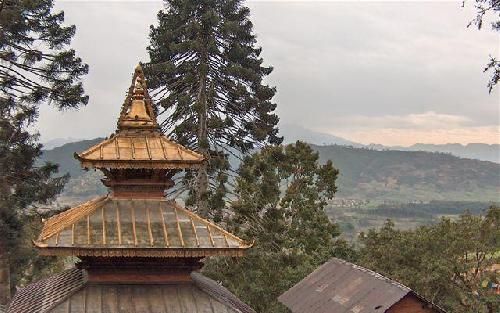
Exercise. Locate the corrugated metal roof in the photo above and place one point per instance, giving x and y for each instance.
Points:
(140, 227)
(342, 287)
(69, 293)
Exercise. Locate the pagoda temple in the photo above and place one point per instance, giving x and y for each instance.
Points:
(138, 251)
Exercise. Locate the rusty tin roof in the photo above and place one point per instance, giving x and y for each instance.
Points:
(342, 287)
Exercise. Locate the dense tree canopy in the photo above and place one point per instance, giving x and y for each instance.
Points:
(35, 67)
(449, 263)
(208, 74)
(281, 192)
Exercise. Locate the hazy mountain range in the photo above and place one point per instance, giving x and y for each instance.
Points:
(292, 133)
(479, 151)
(366, 174)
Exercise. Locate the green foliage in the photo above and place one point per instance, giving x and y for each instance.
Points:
(489, 9)
(34, 67)
(448, 263)
(209, 77)
(281, 192)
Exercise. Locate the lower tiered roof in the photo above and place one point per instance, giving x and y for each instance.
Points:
(69, 292)
(113, 227)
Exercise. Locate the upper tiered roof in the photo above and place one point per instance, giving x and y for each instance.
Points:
(138, 142)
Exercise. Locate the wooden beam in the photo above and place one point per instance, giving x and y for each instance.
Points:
(132, 147)
(163, 148)
(147, 148)
(210, 236)
(195, 232)
(103, 226)
(179, 231)
(134, 231)
(150, 232)
(117, 148)
(165, 233)
(89, 241)
(118, 224)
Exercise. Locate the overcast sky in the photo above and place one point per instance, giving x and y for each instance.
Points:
(394, 73)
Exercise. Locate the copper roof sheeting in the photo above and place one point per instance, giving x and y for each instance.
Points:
(342, 287)
(140, 227)
(68, 292)
(140, 150)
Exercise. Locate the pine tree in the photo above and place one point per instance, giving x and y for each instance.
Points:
(35, 67)
(208, 73)
(282, 192)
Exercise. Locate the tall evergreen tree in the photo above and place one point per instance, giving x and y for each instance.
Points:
(35, 67)
(282, 192)
(209, 75)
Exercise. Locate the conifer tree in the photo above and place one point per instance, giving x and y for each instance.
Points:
(282, 192)
(208, 74)
(35, 67)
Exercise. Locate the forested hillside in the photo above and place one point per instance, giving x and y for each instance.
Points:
(365, 174)
(411, 175)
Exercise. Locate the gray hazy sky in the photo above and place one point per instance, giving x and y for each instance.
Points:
(372, 72)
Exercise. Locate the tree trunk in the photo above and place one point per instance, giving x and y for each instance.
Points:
(203, 145)
(4, 274)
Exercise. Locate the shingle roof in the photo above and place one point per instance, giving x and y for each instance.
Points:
(69, 293)
(342, 287)
(140, 227)
(44, 294)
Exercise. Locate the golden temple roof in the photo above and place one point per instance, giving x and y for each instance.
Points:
(138, 142)
(139, 151)
(140, 227)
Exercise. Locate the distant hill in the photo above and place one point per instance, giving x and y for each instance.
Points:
(411, 175)
(292, 133)
(365, 174)
(479, 151)
(57, 142)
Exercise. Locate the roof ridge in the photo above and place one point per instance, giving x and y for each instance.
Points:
(373, 273)
(58, 222)
(221, 293)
